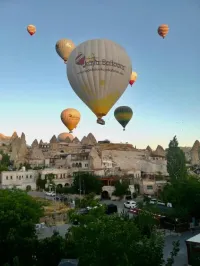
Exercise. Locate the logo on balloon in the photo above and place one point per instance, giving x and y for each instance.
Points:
(92, 60)
(80, 60)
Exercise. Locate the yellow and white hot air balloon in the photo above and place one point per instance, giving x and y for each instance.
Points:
(99, 72)
(64, 47)
(133, 78)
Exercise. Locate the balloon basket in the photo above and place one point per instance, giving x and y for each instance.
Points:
(100, 121)
(70, 131)
(123, 129)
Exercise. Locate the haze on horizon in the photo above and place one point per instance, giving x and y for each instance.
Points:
(164, 99)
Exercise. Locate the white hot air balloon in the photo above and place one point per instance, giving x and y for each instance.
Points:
(99, 73)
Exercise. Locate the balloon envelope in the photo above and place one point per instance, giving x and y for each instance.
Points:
(123, 115)
(31, 29)
(99, 73)
(64, 47)
(62, 136)
(163, 30)
(70, 118)
(133, 78)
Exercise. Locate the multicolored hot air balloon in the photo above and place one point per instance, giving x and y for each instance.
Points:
(133, 78)
(70, 118)
(99, 72)
(31, 29)
(123, 115)
(163, 30)
(64, 47)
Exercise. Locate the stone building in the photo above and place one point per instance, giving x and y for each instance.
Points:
(25, 180)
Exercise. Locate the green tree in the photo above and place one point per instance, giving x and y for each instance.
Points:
(41, 183)
(121, 188)
(113, 240)
(5, 162)
(51, 250)
(176, 161)
(87, 183)
(18, 215)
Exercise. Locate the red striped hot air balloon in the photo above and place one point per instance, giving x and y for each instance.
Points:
(133, 78)
(163, 30)
(31, 29)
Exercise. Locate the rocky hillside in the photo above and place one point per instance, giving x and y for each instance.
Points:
(116, 147)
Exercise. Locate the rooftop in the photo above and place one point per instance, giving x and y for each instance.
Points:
(194, 239)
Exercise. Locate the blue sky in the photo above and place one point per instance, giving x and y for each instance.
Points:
(165, 98)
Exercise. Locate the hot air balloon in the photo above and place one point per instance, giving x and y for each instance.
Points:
(63, 136)
(163, 30)
(64, 48)
(123, 115)
(70, 118)
(133, 78)
(31, 29)
(99, 73)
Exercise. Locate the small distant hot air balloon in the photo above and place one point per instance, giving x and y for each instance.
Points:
(64, 47)
(133, 78)
(99, 73)
(70, 118)
(163, 30)
(123, 115)
(31, 29)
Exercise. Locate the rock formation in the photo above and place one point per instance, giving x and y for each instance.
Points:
(149, 149)
(76, 140)
(84, 140)
(19, 150)
(53, 139)
(36, 154)
(95, 161)
(160, 152)
(68, 140)
(91, 139)
(41, 142)
(195, 153)
(35, 144)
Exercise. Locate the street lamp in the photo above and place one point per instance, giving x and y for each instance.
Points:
(51, 186)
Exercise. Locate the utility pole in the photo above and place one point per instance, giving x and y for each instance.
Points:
(80, 185)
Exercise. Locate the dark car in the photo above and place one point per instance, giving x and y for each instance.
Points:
(111, 208)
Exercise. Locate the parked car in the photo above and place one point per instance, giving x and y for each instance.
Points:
(111, 208)
(158, 202)
(130, 204)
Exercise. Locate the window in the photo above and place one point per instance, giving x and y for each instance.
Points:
(7, 177)
(10, 177)
(17, 176)
(27, 176)
(30, 176)
(150, 187)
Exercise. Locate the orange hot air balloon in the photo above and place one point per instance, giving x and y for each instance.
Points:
(163, 30)
(133, 78)
(31, 29)
(70, 118)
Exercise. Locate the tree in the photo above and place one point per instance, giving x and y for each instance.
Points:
(5, 162)
(51, 250)
(114, 240)
(121, 188)
(87, 183)
(176, 161)
(184, 196)
(19, 213)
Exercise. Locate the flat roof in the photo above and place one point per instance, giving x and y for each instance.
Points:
(194, 239)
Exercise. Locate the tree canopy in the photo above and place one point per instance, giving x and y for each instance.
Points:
(115, 240)
(87, 183)
(121, 188)
(176, 161)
